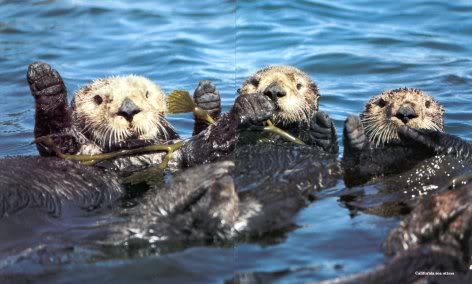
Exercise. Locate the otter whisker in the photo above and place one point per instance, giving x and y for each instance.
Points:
(379, 134)
(115, 136)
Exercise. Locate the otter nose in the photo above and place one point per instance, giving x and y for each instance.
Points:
(128, 109)
(274, 91)
(405, 113)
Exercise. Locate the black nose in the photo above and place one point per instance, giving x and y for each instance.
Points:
(128, 109)
(405, 113)
(274, 91)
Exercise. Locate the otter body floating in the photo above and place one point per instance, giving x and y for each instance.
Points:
(375, 143)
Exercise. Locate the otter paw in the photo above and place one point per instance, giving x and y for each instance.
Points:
(253, 109)
(353, 134)
(412, 135)
(44, 80)
(206, 97)
(439, 142)
(323, 132)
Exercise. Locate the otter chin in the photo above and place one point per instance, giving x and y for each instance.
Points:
(292, 90)
(385, 113)
(115, 109)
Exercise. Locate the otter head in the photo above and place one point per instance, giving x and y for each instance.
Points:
(294, 93)
(111, 110)
(385, 113)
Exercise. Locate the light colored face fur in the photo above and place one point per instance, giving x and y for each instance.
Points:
(384, 114)
(114, 109)
(298, 98)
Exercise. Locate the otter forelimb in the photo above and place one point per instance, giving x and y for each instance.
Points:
(50, 95)
(440, 142)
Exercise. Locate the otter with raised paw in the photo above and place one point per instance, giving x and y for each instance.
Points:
(103, 113)
(106, 115)
(372, 144)
(295, 98)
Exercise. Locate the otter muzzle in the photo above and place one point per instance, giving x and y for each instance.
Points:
(405, 113)
(274, 91)
(128, 109)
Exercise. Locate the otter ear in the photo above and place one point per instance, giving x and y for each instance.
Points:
(254, 80)
(381, 103)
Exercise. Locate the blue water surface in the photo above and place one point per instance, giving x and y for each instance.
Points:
(352, 49)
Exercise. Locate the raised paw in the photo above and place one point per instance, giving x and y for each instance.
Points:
(44, 81)
(206, 97)
(51, 106)
(324, 132)
(253, 109)
(354, 137)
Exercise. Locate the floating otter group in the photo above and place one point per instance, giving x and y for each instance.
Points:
(397, 130)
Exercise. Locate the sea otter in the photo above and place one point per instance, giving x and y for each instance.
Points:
(104, 114)
(372, 145)
(295, 97)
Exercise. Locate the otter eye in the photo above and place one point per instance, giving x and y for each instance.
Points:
(299, 86)
(381, 102)
(147, 94)
(238, 90)
(98, 100)
(427, 104)
(255, 81)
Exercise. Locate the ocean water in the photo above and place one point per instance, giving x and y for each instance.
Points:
(352, 49)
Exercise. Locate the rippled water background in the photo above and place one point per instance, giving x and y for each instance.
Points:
(352, 49)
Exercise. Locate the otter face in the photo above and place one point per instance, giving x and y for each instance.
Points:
(114, 109)
(385, 113)
(295, 94)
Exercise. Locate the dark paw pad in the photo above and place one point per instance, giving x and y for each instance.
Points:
(43, 80)
(253, 109)
(207, 97)
(322, 125)
(354, 136)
